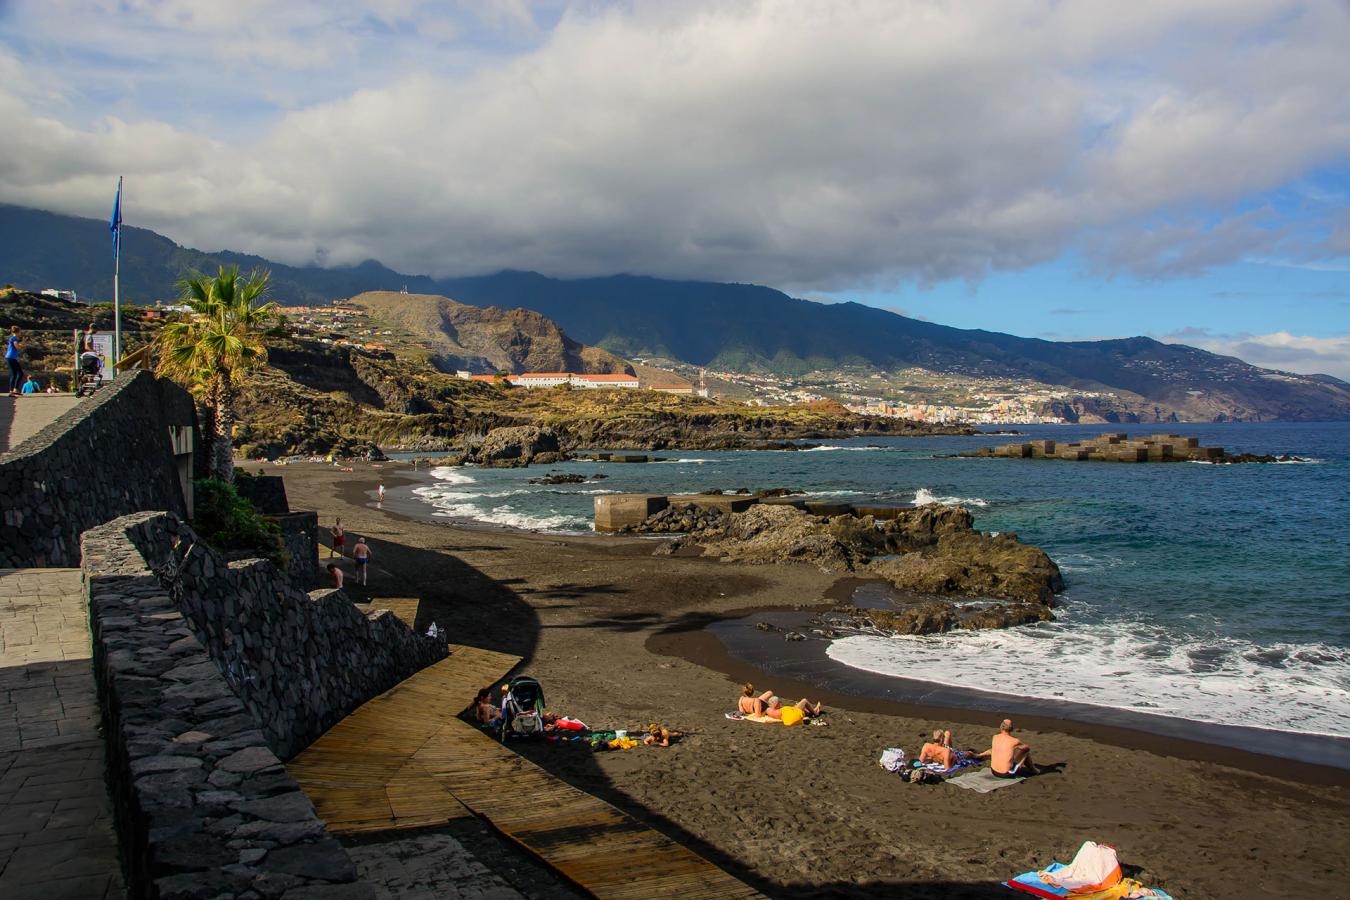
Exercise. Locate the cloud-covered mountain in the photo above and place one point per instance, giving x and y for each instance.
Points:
(733, 326)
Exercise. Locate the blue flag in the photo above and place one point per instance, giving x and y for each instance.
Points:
(115, 223)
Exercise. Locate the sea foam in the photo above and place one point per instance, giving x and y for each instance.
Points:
(925, 497)
(1134, 666)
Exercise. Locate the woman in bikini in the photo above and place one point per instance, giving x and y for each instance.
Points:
(749, 704)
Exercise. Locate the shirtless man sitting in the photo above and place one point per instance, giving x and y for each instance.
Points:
(1008, 757)
(939, 750)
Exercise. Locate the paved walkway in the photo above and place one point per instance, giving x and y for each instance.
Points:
(23, 417)
(56, 831)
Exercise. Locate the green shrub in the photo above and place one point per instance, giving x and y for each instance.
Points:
(230, 522)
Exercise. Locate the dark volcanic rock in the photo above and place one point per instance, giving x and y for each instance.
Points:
(559, 478)
(515, 446)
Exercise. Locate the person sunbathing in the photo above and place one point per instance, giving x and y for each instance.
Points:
(661, 736)
(774, 708)
(939, 750)
(749, 704)
(1008, 757)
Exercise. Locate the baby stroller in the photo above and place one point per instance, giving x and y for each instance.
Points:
(522, 708)
(90, 375)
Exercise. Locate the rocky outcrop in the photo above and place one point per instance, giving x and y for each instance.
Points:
(514, 447)
(931, 551)
(489, 340)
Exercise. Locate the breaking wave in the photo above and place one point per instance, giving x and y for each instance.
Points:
(1301, 688)
(925, 497)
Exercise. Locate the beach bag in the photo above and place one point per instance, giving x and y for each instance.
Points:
(892, 759)
(1095, 868)
(792, 716)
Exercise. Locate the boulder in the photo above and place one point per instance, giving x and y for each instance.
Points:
(515, 446)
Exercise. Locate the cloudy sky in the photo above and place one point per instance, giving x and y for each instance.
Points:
(1179, 168)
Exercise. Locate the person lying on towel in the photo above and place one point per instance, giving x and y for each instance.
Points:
(1008, 757)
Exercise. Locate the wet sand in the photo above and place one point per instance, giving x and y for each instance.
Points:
(619, 639)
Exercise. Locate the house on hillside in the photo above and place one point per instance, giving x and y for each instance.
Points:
(541, 379)
(597, 382)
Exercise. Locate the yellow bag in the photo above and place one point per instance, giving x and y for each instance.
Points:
(792, 716)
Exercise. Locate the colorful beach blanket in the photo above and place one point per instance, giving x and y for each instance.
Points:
(961, 766)
(762, 720)
(1032, 883)
(982, 781)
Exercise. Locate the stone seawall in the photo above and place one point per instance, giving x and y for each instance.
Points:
(204, 806)
(299, 662)
(109, 456)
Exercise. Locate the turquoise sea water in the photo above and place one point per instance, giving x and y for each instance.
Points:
(1213, 593)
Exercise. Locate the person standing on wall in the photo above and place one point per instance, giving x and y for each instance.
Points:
(12, 351)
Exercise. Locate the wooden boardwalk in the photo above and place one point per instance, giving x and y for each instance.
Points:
(404, 760)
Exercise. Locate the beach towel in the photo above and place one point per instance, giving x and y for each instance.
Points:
(982, 781)
(1127, 889)
(1094, 868)
(763, 720)
(961, 766)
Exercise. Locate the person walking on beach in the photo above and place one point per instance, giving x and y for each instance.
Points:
(361, 555)
(380, 491)
(1008, 757)
(12, 350)
(339, 539)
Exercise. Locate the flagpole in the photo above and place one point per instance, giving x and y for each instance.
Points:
(117, 271)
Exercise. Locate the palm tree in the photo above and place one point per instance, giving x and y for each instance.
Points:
(212, 350)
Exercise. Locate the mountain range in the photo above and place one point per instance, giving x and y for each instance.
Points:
(737, 327)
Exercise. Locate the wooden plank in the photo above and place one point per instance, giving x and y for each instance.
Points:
(405, 760)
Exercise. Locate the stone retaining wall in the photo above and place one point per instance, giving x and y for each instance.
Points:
(204, 806)
(109, 456)
(299, 662)
(300, 532)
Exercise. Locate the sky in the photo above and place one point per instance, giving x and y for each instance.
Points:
(1069, 170)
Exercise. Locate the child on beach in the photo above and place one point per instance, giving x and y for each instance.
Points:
(336, 574)
(661, 736)
(485, 711)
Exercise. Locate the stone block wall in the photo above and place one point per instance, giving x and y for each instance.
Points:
(107, 457)
(300, 531)
(298, 662)
(267, 493)
(204, 806)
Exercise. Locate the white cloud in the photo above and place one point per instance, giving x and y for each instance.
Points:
(816, 146)
(1299, 353)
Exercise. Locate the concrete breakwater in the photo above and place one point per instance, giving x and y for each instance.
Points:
(1115, 447)
(615, 512)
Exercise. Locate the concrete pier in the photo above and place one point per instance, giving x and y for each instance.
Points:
(1114, 447)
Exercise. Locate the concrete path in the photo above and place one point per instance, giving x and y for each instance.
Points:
(56, 831)
(23, 417)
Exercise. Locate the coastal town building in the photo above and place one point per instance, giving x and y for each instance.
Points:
(597, 382)
(558, 379)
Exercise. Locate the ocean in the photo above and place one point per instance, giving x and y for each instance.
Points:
(1211, 593)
